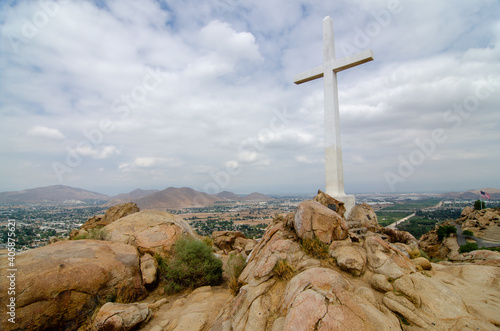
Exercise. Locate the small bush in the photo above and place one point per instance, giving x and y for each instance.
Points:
(207, 240)
(445, 231)
(94, 233)
(468, 233)
(315, 248)
(283, 270)
(478, 205)
(468, 247)
(162, 265)
(235, 266)
(192, 265)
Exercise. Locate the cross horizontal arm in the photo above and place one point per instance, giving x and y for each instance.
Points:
(352, 61)
(309, 75)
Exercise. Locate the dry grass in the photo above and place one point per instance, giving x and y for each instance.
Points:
(414, 253)
(235, 266)
(284, 270)
(234, 285)
(315, 248)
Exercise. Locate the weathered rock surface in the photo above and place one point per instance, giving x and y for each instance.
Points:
(363, 216)
(111, 215)
(380, 283)
(149, 269)
(58, 285)
(373, 287)
(466, 211)
(422, 262)
(228, 241)
(350, 258)
(121, 316)
(195, 312)
(368, 282)
(485, 224)
(385, 260)
(330, 202)
(435, 248)
(151, 231)
(313, 220)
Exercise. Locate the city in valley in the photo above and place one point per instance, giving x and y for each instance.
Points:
(36, 223)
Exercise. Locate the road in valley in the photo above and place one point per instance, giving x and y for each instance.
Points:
(462, 240)
(393, 225)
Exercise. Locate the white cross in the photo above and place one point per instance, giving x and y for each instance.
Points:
(329, 69)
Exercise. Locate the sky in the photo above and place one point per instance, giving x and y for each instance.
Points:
(111, 95)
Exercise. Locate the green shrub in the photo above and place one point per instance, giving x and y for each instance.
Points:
(468, 247)
(478, 205)
(445, 231)
(192, 265)
(315, 248)
(208, 241)
(468, 233)
(162, 265)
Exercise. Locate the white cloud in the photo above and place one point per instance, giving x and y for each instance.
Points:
(151, 163)
(227, 66)
(45, 132)
(99, 152)
(220, 37)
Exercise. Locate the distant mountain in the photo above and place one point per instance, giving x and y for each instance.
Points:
(229, 196)
(471, 194)
(255, 196)
(176, 198)
(130, 197)
(56, 193)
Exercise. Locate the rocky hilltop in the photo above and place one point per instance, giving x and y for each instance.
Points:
(312, 270)
(483, 227)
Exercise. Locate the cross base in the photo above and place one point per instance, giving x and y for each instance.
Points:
(348, 200)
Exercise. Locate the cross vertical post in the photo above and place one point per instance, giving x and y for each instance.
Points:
(334, 174)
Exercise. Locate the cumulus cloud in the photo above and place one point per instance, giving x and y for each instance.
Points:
(45, 132)
(226, 68)
(151, 163)
(100, 152)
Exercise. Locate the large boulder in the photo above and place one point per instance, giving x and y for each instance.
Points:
(111, 215)
(322, 299)
(466, 211)
(363, 216)
(312, 219)
(385, 260)
(59, 285)
(231, 240)
(433, 246)
(330, 202)
(121, 316)
(194, 312)
(149, 270)
(151, 231)
(350, 258)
